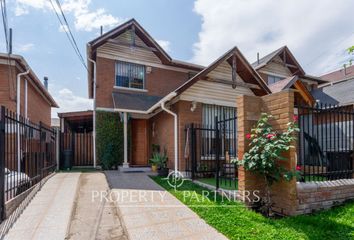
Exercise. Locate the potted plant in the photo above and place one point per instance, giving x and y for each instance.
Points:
(154, 161)
(162, 166)
(159, 160)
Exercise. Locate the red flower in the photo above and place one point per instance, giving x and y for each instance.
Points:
(270, 135)
(295, 118)
(248, 136)
(298, 168)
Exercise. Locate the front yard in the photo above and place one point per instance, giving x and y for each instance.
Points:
(237, 222)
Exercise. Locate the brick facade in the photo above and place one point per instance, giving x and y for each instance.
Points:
(162, 130)
(159, 82)
(39, 108)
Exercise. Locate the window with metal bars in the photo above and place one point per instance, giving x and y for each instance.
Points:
(130, 75)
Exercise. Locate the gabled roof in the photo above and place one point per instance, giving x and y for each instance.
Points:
(340, 74)
(246, 67)
(294, 82)
(285, 54)
(33, 77)
(145, 37)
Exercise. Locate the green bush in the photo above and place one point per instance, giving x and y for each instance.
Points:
(109, 139)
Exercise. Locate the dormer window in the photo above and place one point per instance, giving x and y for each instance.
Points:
(130, 75)
(273, 79)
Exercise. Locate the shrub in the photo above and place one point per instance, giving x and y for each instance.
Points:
(266, 150)
(109, 139)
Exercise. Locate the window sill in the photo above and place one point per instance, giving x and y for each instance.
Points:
(130, 89)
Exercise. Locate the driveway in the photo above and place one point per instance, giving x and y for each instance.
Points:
(150, 212)
(48, 214)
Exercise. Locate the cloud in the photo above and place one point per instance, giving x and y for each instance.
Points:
(69, 102)
(24, 47)
(317, 34)
(164, 44)
(85, 19)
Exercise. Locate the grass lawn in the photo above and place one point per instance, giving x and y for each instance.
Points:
(225, 184)
(237, 222)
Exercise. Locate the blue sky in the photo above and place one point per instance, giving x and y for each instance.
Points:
(197, 31)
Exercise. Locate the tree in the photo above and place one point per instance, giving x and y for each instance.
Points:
(351, 52)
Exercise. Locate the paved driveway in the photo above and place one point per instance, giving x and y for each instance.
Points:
(150, 212)
(48, 214)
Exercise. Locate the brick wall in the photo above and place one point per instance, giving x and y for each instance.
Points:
(158, 83)
(39, 109)
(162, 133)
(281, 106)
(315, 196)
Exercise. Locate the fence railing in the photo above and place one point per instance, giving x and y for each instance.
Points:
(210, 151)
(28, 154)
(326, 142)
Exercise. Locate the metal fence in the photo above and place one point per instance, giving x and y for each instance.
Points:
(27, 154)
(326, 142)
(210, 151)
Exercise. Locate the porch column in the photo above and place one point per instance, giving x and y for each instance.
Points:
(125, 120)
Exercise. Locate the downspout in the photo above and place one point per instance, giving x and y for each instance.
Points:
(175, 134)
(94, 112)
(18, 113)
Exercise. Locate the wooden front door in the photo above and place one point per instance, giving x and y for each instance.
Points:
(140, 145)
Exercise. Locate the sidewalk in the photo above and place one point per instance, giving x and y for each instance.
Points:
(150, 212)
(48, 214)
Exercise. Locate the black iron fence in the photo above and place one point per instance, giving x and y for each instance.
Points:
(326, 142)
(210, 152)
(27, 154)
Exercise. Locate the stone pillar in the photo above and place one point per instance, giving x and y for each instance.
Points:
(248, 112)
(281, 107)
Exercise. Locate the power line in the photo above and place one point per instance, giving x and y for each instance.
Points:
(66, 29)
(67, 24)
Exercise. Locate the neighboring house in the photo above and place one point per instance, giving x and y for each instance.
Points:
(35, 100)
(345, 73)
(339, 90)
(281, 70)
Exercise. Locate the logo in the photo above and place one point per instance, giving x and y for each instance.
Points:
(175, 179)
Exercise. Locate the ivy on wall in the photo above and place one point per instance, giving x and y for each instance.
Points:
(109, 139)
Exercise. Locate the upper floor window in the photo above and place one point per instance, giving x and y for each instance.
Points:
(274, 79)
(130, 75)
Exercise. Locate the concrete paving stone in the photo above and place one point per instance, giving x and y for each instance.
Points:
(157, 217)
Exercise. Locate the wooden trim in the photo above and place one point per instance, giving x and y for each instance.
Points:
(162, 66)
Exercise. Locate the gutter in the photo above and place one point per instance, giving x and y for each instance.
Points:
(94, 111)
(18, 112)
(175, 135)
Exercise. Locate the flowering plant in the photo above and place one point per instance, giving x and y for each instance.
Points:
(267, 147)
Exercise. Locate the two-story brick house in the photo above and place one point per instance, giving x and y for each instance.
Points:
(35, 100)
(158, 95)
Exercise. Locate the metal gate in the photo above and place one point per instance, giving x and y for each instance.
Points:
(79, 146)
(210, 152)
